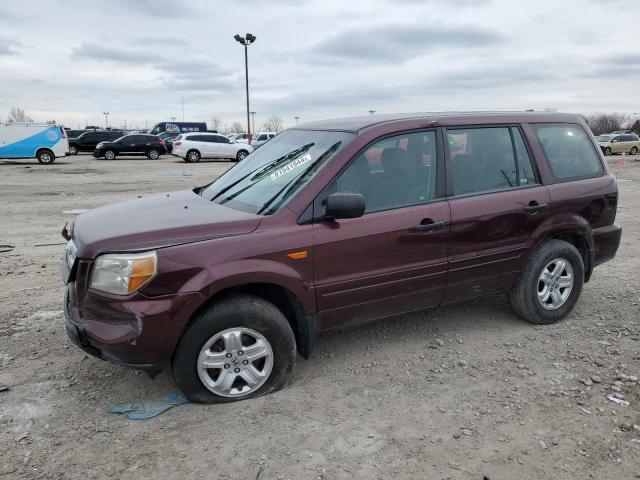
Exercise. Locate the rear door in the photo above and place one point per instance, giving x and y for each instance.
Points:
(497, 202)
(394, 258)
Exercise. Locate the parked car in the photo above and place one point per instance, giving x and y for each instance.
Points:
(149, 145)
(261, 138)
(87, 141)
(76, 133)
(168, 140)
(194, 146)
(238, 137)
(224, 282)
(32, 140)
(619, 143)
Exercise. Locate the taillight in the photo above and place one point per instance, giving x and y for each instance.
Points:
(64, 134)
(177, 143)
(162, 142)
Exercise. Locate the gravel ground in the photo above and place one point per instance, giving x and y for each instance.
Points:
(464, 392)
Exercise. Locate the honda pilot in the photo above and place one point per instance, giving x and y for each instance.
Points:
(335, 223)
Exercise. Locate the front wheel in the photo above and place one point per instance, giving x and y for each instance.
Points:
(153, 154)
(110, 154)
(241, 155)
(46, 157)
(634, 151)
(550, 284)
(241, 347)
(607, 151)
(193, 156)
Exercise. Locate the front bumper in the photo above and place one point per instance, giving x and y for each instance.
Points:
(135, 331)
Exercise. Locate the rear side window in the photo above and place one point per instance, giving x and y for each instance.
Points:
(569, 151)
(484, 159)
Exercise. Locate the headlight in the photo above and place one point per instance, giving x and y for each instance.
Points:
(122, 274)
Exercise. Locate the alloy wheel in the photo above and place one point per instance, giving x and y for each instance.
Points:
(235, 362)
(555, 283)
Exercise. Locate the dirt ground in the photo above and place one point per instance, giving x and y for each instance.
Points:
(464, 392)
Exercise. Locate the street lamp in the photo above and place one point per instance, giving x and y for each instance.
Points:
(253, 121)
(296, 118)
(372, 112)
(106, 119)
(247, 40)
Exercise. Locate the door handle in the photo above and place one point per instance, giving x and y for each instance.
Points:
(428, 225)
(535, 207)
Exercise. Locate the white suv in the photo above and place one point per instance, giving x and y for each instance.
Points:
(261, 138)
(194, 146)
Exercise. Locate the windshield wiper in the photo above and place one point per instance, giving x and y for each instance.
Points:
(265, 169)
(291, 186)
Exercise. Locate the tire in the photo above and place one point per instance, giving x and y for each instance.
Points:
(46, 157)
(153, 154)
(241, 155)
(73, 150)
(633, 151)
(607, 151)
(109, 154)
(525, 295)
(255, 316)
(192, 156)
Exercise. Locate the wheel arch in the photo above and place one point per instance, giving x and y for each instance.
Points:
(304, 326)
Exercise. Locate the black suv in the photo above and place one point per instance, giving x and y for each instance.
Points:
(135, 144)
(87, 141)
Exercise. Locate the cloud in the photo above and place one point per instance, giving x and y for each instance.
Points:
(9, 46)
(397, 43)
(457, 4)
(178, 72)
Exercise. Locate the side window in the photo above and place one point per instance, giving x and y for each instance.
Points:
(569, 151)
(482, 159)
(401, 178)
(194, 138)
(262, 137)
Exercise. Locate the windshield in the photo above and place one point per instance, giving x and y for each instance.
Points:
(276, 172)
(603, 138)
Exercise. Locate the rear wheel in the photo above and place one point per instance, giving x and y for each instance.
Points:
(193, 156)
(551, 283)
(241, 347)
(153, 154)
(634, 151)
(241, 155)
(607, 151)
(73, 150)
(46, 157)
(110, 154)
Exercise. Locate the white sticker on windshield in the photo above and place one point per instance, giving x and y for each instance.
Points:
(291, 166)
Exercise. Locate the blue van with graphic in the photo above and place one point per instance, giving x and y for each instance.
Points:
(45, 142)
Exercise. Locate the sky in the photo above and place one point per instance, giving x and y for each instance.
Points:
(72, 60)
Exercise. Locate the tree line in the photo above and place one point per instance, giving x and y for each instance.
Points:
(601, 123)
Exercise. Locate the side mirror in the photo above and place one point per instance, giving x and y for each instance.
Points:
(344, 205)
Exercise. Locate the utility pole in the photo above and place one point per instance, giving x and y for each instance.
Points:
(247, 40)
(106, 119)
(296, 117)
(182, 100)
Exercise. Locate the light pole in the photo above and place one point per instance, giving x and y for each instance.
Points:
(106, 119)
(247, 40)
(253, 121)
(296, 118)
(173, 119)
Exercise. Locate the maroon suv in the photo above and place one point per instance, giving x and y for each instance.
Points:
(334, 223)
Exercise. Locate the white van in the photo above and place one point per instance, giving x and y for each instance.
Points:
(31, 140)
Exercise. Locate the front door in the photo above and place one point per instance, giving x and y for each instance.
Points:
(496, 202)
(394, 258)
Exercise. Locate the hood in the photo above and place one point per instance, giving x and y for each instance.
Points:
(157, 221)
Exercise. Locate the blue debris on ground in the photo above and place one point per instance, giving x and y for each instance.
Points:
(146, 410)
